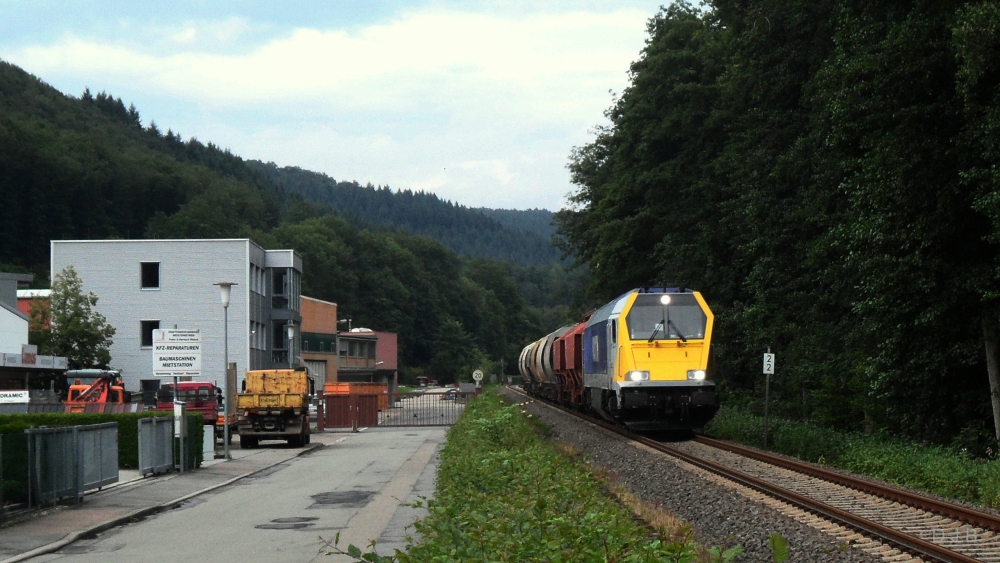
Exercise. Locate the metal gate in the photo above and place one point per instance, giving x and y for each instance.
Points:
(66, 461)
(156, 443)
(350, 411)
(419, 408)
(425, 408)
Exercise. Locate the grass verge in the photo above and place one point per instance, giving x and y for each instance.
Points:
(934, 469)
(505, 495)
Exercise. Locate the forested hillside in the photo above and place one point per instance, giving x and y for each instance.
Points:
(537, 221)
(89, 168)
(521, 237)
(826, 173)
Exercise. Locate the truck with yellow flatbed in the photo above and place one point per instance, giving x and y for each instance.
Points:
(274, 405)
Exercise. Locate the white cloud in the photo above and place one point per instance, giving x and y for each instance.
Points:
(496, 168)
(186, 36)
(420, 54)
(503, 98)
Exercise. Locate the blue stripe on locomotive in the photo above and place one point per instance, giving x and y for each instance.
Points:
(595, 348)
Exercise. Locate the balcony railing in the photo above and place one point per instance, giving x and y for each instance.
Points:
(279, 302)
(348, 363)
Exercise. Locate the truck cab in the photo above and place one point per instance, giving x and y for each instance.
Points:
(200, 397)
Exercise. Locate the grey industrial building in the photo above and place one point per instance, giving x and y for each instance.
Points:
(143, 285)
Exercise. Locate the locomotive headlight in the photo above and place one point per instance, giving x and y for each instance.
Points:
(696, 374)
(638, 376)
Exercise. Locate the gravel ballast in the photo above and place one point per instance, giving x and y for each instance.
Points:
(718, 514)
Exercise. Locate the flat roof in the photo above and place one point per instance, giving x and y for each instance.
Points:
(116, 240)
(32, 293)
(317, 300)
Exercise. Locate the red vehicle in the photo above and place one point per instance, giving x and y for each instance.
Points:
(426, 382)
(199, 397)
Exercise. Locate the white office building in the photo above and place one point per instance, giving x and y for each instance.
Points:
(143, 285)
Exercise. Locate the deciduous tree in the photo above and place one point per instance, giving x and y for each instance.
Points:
(76, 330)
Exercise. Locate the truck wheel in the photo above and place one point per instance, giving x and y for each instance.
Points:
(248, 443)
(295, 441)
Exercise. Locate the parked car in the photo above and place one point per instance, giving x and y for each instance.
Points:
(450, 394)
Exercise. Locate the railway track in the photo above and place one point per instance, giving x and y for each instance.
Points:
(919, 527)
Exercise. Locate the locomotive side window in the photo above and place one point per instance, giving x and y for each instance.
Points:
(649, 318)
(595, 345)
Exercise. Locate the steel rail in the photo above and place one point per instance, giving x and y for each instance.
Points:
(911, 544)
(968, 515)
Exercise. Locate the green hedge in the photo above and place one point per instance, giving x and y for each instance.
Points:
(15, 444)
(936, 469)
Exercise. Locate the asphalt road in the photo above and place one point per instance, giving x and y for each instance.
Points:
(354, 486)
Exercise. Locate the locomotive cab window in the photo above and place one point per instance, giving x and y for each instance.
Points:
(651, 319)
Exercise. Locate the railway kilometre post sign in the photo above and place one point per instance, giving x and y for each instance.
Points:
(768, 372)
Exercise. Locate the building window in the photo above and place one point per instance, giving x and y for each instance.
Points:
(278, 282)
(150, 275)
(146, 329)
(280, 341)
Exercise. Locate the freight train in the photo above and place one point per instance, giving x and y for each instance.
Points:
(643, 360)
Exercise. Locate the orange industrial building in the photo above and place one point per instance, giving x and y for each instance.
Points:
(355, 355)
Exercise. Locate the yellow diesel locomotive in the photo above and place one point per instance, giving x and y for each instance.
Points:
(643, 360)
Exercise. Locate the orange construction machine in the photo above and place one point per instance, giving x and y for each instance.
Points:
(107, 388)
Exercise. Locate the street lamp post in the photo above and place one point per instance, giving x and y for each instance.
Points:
(291, 342)
(225, 289)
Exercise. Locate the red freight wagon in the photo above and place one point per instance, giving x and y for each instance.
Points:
(567, 362)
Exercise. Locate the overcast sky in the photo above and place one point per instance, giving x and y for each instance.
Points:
(478, 102)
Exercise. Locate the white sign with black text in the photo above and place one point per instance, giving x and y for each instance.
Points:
(768, 364)
(13, 397)
(176, 353)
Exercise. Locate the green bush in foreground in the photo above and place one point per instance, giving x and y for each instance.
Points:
(934, 469)
(503, 494)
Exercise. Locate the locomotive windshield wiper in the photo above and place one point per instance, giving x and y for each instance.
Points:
(671, 323)
(655, 330)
